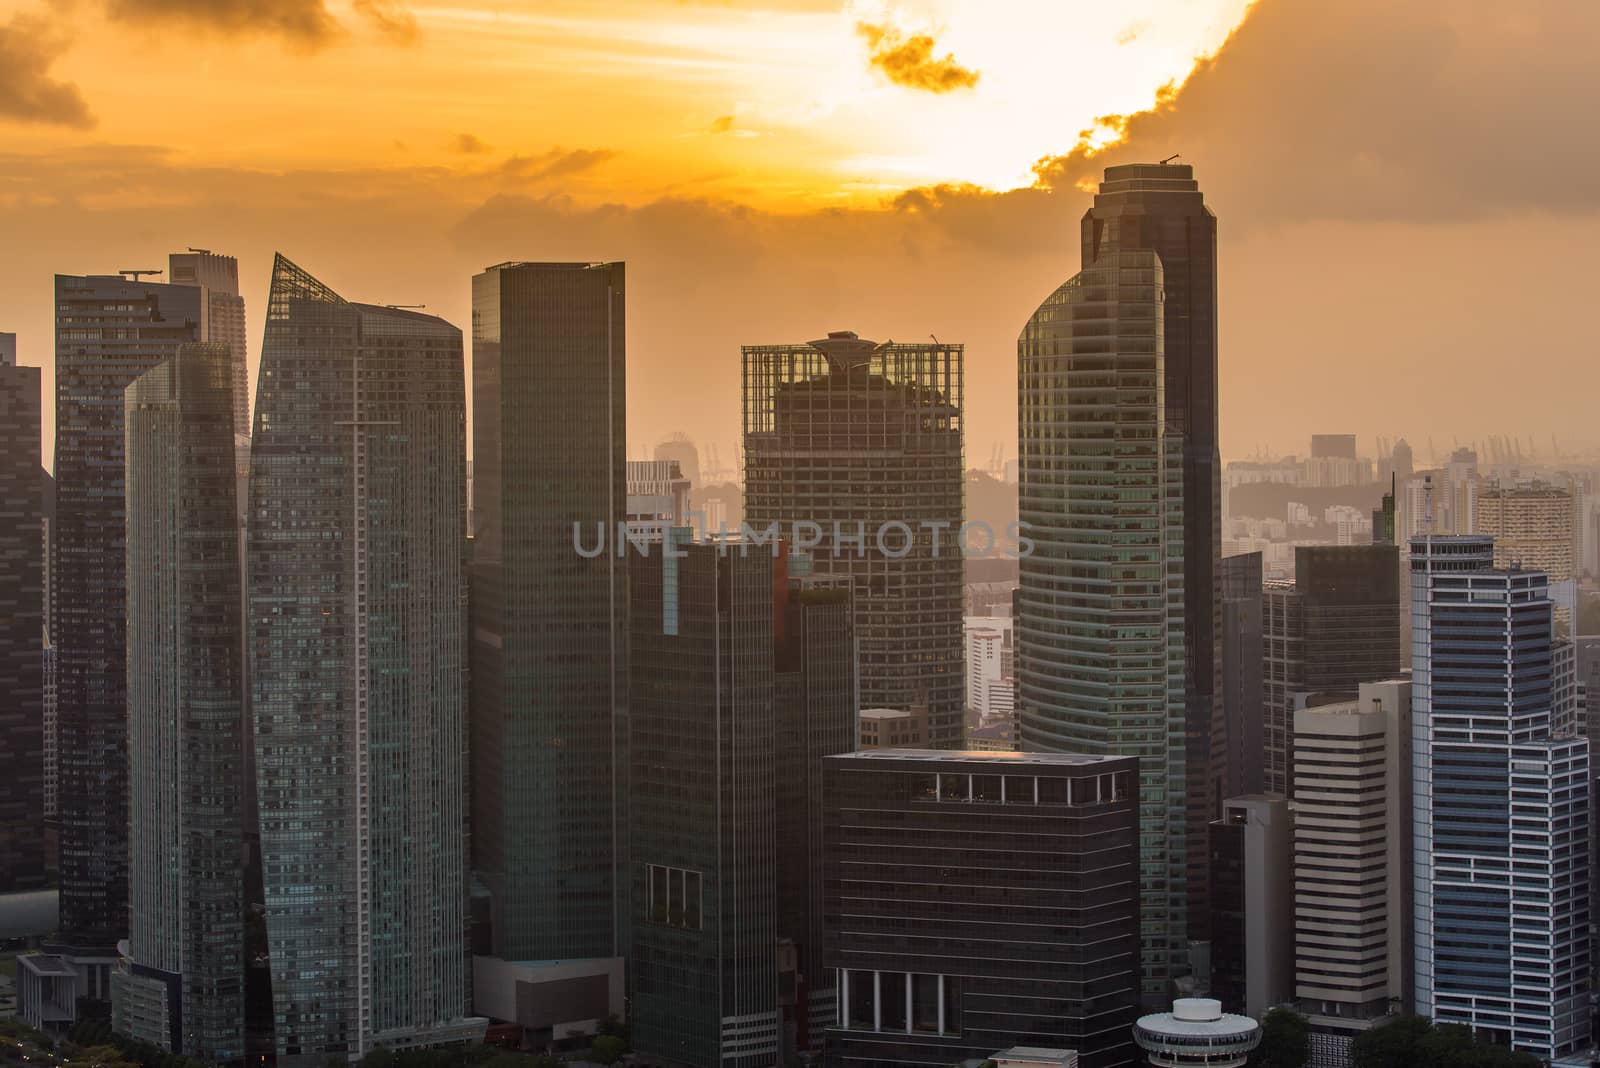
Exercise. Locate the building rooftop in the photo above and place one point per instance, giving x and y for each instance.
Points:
(890, 713)
(46, 964)
(1198, 1017)
(1019, 1056)
(957, 756)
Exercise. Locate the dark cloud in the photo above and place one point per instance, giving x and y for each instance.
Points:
(390, 17)
(556, 163)
(28, 46)
(303, 23)
(909, 61)
(469, 143)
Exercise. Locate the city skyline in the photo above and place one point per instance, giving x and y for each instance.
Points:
(943, 258)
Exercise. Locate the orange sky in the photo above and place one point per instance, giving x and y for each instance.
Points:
(772, 169)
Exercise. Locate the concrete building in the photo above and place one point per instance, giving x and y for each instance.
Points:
(1531, 524)
(991, 659)
(1500, 803)
(1197, 1034)
(180, 982)
(549, 383)
(1352, 889)
(1101, 608)
(1336, 627)
(22, 628)
(658, 496)
(893, 728)
(555, 1002)
(853, 451)
(1252, 904)
(357, 596)
(953, 923)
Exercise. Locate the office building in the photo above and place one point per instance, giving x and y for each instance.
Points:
(549, 624)
(991, 663)
(180, 982)
(1236, 762)
(222, 311)
(1460, 493)
(893, 728)
(1159, 208)
(357, 610)
(22, 628)
(1336, 627)
(1500, 803)
(1252, 904)
(815, 690)
(852, 450)
(109, 331)
(952, 919)
(658, 497)
(1100, 608)
(1197, 1034)
(1352, 863)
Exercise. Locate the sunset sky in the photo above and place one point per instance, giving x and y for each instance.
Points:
(1407, 193)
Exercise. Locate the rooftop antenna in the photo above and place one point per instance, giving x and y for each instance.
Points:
(133, 276)
(1170, 158)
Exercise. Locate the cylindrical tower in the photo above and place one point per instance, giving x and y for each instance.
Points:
(1197, 1034)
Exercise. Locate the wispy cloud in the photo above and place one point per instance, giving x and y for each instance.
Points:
(909, 61)
(28, 46)
(556, 163)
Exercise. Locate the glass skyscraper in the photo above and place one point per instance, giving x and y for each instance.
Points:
(180, 983)
(1501, 801)
(357, 613)
(109, 331)
(864, 441)
(550, 624)
(1100, 606)
(1159, 207)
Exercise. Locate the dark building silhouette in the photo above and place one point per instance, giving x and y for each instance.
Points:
(549, 627)
(109, 331)
(1159, 207)
(1335, 627)
(863, 440)
(22, 623)
(980, 901)
(1236, 766)
(180, 983)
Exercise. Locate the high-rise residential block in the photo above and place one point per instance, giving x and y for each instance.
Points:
(1352, 846)
(1159, 207)
(980, 901)
(1100, 608)
(852, 451)
(549, 627)
(180, 982)
(1236, 759)
(357, 616)
(22, 627)
(1500, 802)
(109, 331)
(1335, 627)
(1532, 527)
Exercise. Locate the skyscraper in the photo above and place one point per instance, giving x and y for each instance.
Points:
(863, 440)
(1500, 803)
(109, 331)
(357, 658)
(550, 624)
(1159, 207)
(22, 602)
(1100, 653)
(223, 309)
(1335, 627)
(180, 984)
(1236, 766)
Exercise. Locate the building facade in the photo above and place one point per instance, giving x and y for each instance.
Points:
(978, 901)
(109, 331)
(550, 624)
(1336, 627)
(1500, 800)
(1100, 608)
(180, 982)
(357, 614)
(1236, 761)
(1252, 904)
(22, 628)
(222, 307)
(1352, 863)
(1159, 208)
(853, 450)
(1532, 527)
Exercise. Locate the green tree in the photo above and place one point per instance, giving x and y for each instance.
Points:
(1390, 1045)
(1285, 1040)
(608, 1049)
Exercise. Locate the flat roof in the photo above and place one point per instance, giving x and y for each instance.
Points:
(953, 756)
(45, 964)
